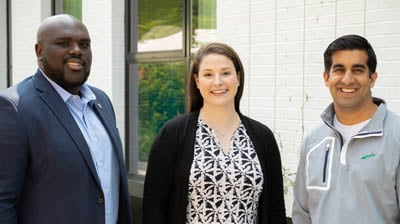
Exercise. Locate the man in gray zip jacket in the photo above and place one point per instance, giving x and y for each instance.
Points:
(349, 165)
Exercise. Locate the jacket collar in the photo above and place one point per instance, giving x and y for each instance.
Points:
(374, 125)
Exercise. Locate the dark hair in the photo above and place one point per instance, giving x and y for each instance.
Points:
(350, 42)
(194, 100)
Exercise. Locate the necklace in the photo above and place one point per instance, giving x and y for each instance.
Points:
(219, 133)
(223, 139)
(222, 128)
(228, 132)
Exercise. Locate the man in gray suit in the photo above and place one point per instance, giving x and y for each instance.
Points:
(61, 157)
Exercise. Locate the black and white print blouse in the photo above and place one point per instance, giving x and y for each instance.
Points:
(223, 188)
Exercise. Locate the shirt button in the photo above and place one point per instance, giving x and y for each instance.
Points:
(100, 200)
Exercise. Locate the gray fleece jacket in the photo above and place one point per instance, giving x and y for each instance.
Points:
(350, 182)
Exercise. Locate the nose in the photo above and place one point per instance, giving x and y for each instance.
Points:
(75, 49)
(218, 79)
(348, 78)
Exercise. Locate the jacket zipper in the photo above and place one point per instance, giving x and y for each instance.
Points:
(325, 163)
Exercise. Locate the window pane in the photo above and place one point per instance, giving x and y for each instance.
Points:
(204, 22)
(73, 7)
(160, 25)
(161, 97)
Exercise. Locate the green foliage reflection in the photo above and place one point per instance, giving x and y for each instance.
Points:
(159, 18)
(204, 15)
(161, 97)
(73, 7)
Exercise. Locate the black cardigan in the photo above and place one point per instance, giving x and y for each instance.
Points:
(165, 196)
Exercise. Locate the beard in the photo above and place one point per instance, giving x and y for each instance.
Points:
(65, 78)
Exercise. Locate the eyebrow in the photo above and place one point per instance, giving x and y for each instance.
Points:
(353, 66)
(227, 68)
(338, 66)
(208, 69)
(358, 66)
(70, 38)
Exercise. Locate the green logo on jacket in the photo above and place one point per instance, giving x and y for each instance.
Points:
(368, 156)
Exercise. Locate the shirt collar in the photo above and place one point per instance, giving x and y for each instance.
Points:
(86, 93)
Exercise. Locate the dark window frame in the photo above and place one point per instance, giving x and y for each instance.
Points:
(57, 7)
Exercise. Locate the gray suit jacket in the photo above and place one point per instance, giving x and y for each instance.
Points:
(47, 174)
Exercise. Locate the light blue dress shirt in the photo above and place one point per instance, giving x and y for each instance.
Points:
(99, 143)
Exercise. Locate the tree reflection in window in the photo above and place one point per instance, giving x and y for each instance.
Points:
(160, 25)
(73, 7)
(161, 97)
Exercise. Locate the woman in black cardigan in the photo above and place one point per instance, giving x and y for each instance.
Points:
(213, 164)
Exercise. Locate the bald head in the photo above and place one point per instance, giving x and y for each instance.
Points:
(55, 21)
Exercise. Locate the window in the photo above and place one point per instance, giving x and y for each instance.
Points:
(203, 22)
(160, 25)
(162, 36)
(161, 97)
(72, 7)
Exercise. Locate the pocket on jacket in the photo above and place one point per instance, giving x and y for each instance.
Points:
(319, 164)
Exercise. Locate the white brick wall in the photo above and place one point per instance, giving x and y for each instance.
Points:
(23, 37)
(281, 44)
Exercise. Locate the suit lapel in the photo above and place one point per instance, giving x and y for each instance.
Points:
(60, 110)
(105, 117)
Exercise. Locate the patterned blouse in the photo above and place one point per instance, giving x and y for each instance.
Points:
(223, 188)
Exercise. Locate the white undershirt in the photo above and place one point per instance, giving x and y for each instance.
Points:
(347, 131)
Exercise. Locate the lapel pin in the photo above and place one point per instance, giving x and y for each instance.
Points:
(99, 106)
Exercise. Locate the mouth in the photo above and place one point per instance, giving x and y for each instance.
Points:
(347, 90)
(219, 92)
(74, 64)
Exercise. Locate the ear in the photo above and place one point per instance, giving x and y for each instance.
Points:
(196, 79)
(373, 78)
(326, 78)
(39, 51)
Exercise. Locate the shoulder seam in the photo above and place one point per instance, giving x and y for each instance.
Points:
(11, 95)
